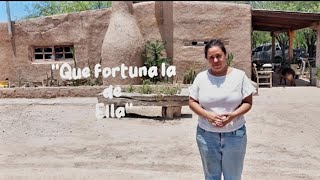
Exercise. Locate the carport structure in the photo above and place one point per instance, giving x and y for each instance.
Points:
(277, 22)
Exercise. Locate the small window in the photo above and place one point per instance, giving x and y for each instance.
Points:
(59, 49)
(258, 49)
(195, 43)
(38, 50)
(267, 48)
(38, 56)
(69, 55)
(48, 56)
(43, 53)
(59, 56)
(67, 49)
(55, 53)
(48, 50)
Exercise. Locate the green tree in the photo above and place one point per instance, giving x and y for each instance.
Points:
(48, 8)
(310, 40)
(283, 40)
(304, 38)
(260, 37)
(154, 55)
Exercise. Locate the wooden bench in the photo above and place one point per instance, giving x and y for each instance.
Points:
(171, 104)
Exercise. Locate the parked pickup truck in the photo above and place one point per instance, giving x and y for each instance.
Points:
(262, 54)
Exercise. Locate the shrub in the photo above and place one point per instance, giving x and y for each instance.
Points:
(153, 56)
(229, 58)
(131, 89)
(189, 76)
(168, 90)
(146, 89)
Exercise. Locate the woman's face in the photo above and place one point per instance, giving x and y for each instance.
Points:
(216, 58)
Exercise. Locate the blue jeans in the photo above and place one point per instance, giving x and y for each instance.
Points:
(222, 153)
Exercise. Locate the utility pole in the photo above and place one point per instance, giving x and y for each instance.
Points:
(9, 19)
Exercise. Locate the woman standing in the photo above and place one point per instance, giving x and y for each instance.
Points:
(220, 96)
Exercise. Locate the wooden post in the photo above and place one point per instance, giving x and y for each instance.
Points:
(291, 36)
(171, 111)
(9, 19)
(318, 46)
(273, 47)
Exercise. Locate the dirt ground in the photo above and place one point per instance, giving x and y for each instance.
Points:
(61, 139)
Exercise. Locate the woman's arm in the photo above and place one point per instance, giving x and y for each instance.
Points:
(244, 107)
(210, 116)
(241, 110)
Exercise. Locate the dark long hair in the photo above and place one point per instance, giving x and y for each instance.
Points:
(214, 42)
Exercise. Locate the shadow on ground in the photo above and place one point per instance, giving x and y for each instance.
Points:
(158, 118)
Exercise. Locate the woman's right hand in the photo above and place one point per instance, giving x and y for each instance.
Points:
(214, 119)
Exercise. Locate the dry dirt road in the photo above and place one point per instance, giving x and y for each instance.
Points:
(61, 139)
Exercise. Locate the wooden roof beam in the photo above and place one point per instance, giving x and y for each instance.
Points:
(268, 29)
(283, 21)
(288, 15)
(273, 25)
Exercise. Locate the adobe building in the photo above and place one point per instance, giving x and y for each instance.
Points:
(103, 36)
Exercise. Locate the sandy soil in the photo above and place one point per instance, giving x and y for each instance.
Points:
(61, 139)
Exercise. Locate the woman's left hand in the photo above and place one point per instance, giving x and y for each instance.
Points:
(228, 118)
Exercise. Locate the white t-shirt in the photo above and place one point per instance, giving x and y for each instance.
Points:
(221, 94)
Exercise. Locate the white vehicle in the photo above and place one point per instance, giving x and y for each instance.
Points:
(262, 54)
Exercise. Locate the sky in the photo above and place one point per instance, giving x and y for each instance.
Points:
(17, 9)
